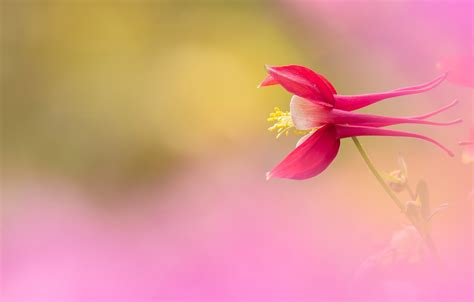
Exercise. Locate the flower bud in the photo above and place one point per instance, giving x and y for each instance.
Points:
(397, 181)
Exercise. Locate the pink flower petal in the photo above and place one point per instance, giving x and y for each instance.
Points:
(311, 157)
(304, 138)
(333, 90)
(303, 82)
(307, 115)
(268, 81)
(349, 131)
(353, 102)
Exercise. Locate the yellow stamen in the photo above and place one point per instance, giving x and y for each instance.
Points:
(283, 123)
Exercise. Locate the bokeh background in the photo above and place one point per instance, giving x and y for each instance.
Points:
(134, 151)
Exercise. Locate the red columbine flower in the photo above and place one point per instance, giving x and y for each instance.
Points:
(317, 110)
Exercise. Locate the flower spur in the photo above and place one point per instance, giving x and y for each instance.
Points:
(306, 83)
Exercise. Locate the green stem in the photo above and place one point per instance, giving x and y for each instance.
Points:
(423, 232)
(377, 174)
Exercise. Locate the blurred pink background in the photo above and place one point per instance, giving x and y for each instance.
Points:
(134, 152)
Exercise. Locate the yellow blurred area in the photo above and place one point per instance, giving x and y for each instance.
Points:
(135, 147)
(100, 89)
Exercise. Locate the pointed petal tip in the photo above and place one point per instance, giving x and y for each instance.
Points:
(441, 77)
(268, 81)
(268, 175)
(450, 123)
(437, 111)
